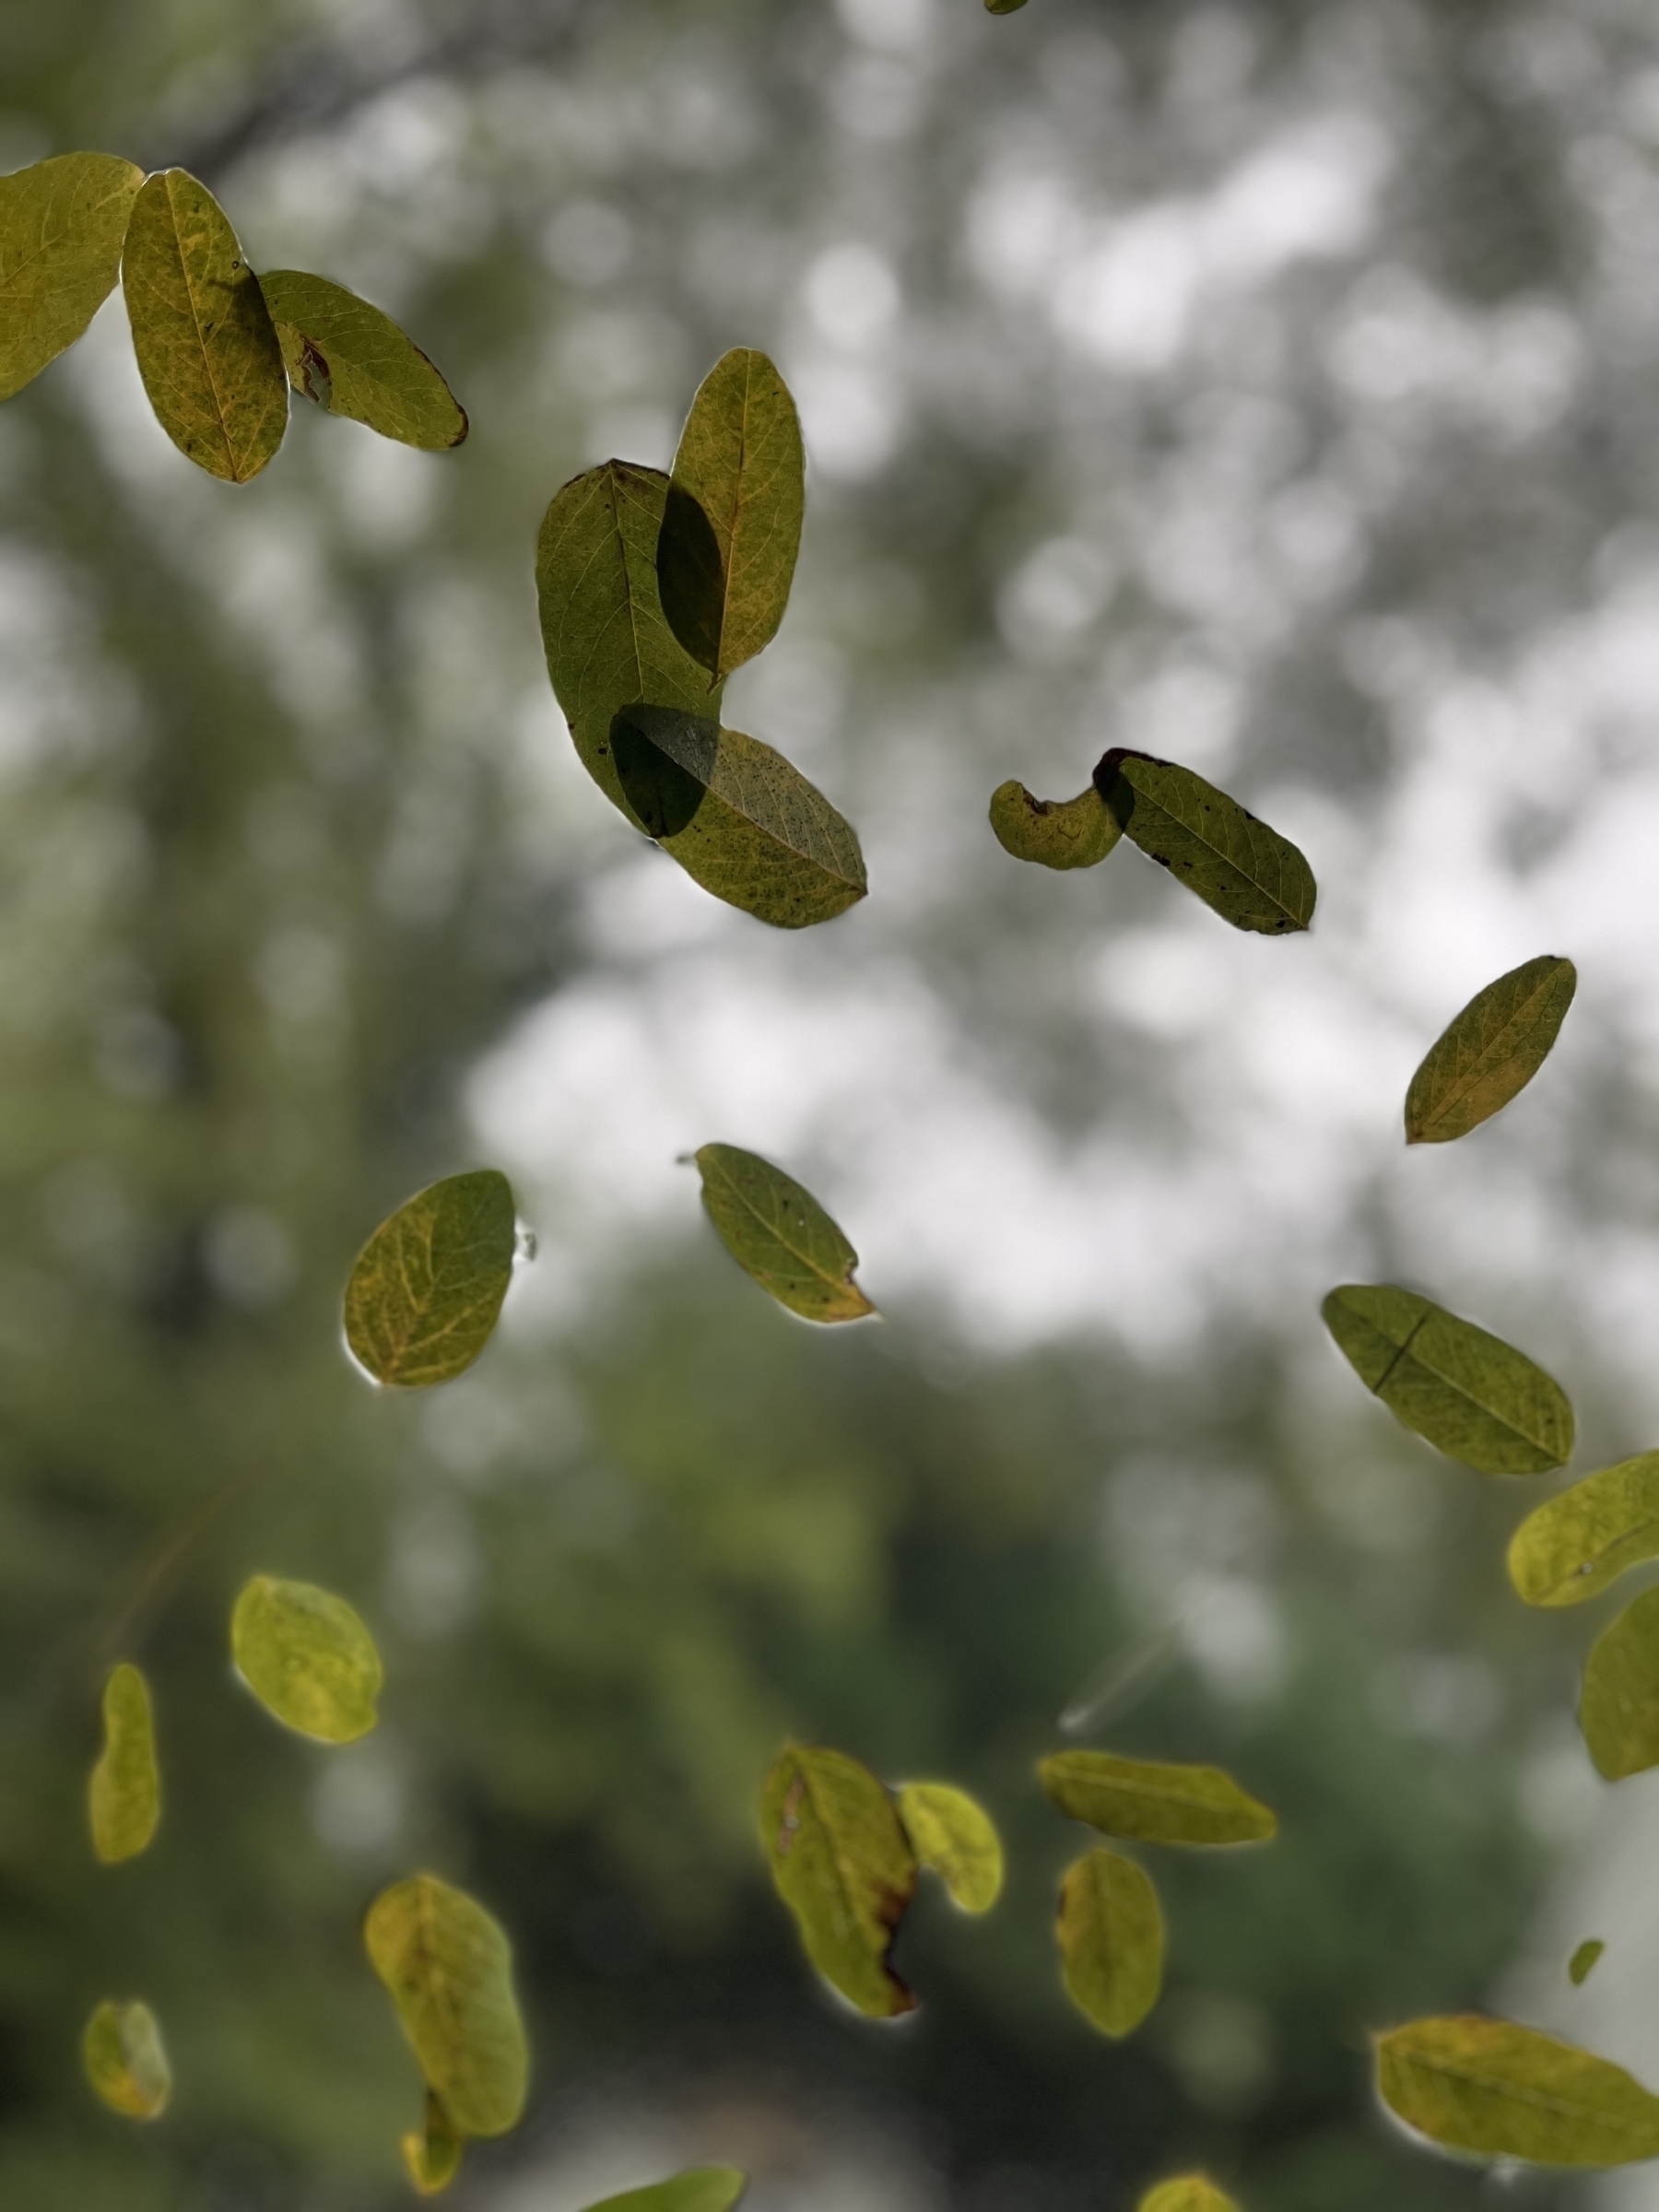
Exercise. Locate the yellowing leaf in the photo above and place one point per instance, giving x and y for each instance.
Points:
(426, 1292)
(126, 2060)
(777, 1233)
(1618, 1706)
(125, 1799)
(1574, 1545)
(1493, 1049)
(1188, 2192)
(353, 360)
(432, 2157)
(307, 1658)
(1248, 874)
(1583, 1961)
(1057, 833)
(1508, 2092)
(450, 1972)
(62, 223)
(1470, 1395)
(1152, 1803)
(737, 818)
(842, 1865)
(1112, 1941)
(732, 523)
(698, 2189)
(206, 351)
(952, 1833)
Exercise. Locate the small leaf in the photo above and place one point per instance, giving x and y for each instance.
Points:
(698, 2189)
(125, 1799)
(307, 1658)
(1057, 833)
(1492, 1051)
(206, 351)
(1188, 2192)
(448, 1968)
(954, 1835)
(1574, 1545)
(1150, 1803)
(432, 2157)
(779, 1234)
(1470, 1395)
(1503, 2091)
(1582, 1963)
(1618, 1706)
(62, 223)
(126, 2060)
(738, 818)
(842, 1865)
(1248, 874)
(732, 522)
(426, 1292)
(355, 361)
(1112, 1941)
(1004, 8)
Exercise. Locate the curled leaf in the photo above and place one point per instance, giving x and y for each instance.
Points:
(307, 1658)
(846, 1869)
(426, 1292)
(432, 2156)
(698, 2189)
(1112, 1941)
(126, 2060)
(1152, 1803)
(62, 223)
(952, 1833)
(1583, 1962)
(1248, 874)
(1574, 1545)
(1057, 833)
(1187, 2192)
(353, 360)
(777, 1233)
(125, 1798)
(448, 1968)
(1619, 1705)
(1503, 2091)
(1490, 1052)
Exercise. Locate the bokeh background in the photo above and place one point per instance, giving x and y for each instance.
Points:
(1270, 383)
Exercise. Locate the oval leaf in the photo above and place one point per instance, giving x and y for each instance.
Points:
(698, 2189)
(1055, 833)
(1493, 1049)
(738, 818)
(732, 522)
(1248, 874)
(62, 223)
(779, 1234)
(1112, 1941)
(1573, 1546)
(126, 2060)
(307, 1658)
(207, 350)
(448, 1968)
(125, 1799)
(1150, 1803)
(432, 2157)
(1582, 1963)
(1470, 1395)
(954, 1835)
(355, 361)
(1004, 8)
(426, 1292)
(842, 1865)
(1507, 2092)
(1618, 1706)
(1187, 2192)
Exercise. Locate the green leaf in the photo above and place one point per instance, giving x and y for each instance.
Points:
(206, 351)
(779, 1234)
(738, 818)
(1004, 8)
(426, 1292)
(307, 1658)
(62, 224)
(1493, 1049)
(1582, 1963)
(1618, 1706)
(432, 2156)
(842, 1865)
(448, 1968)
(1055, 833)
(698, 2189)
(1150, 1803)
(126, 2060)
(355, 361)
(608, 640)
(1574, 1545)
(1188, 2192)
(1470, 1395)
(1112, 1941)
(954, 1835)
(1248, 874)
(732, 522)
(1503, 2091)
(125, 1800)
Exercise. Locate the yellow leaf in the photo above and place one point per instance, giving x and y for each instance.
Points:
(125, 1799)
(307, 1658)
(845, 1868)
(951, 1833)
(1474, 2084)
(1112, 1941)
(448, 1968)
(125, 2061)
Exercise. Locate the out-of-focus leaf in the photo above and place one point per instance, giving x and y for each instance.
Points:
(777, 1231)
(355, 361)
(1004, 8)
(431, 2157)
(125, 1799)
(1618, 1706)
(1112, 1941)
(1470, 1395)
(1493, 1049)
(953, 1833)
(1583, 1962)
(1187, 2192)
(1248, 874)
(843, 1867)
(732, 523)
(1574, 1545)
(1151, 1803)
(307, 1658)
(62, 223)
(426, 1292)
(1057, 833)
(207, 349)
(448, 1968)
(126, 2060)
(737, 818)
(1475, 2084)
(698, 2189)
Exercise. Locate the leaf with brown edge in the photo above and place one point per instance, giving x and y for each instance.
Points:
(449, 1969)
(126, 2060)
(1503, 2091)
(1110, 1934)
(427, 1291)
(353, 360)
(432, 2155)
(780, 1235)
(1186, 2193)
(1242, 870)
(62, 224)
(125, 1795)
(1575, 1544)
(843, 1865)
(1055, 833)
(1619, 1705)
(1150, 1801)
(1490, 1052)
